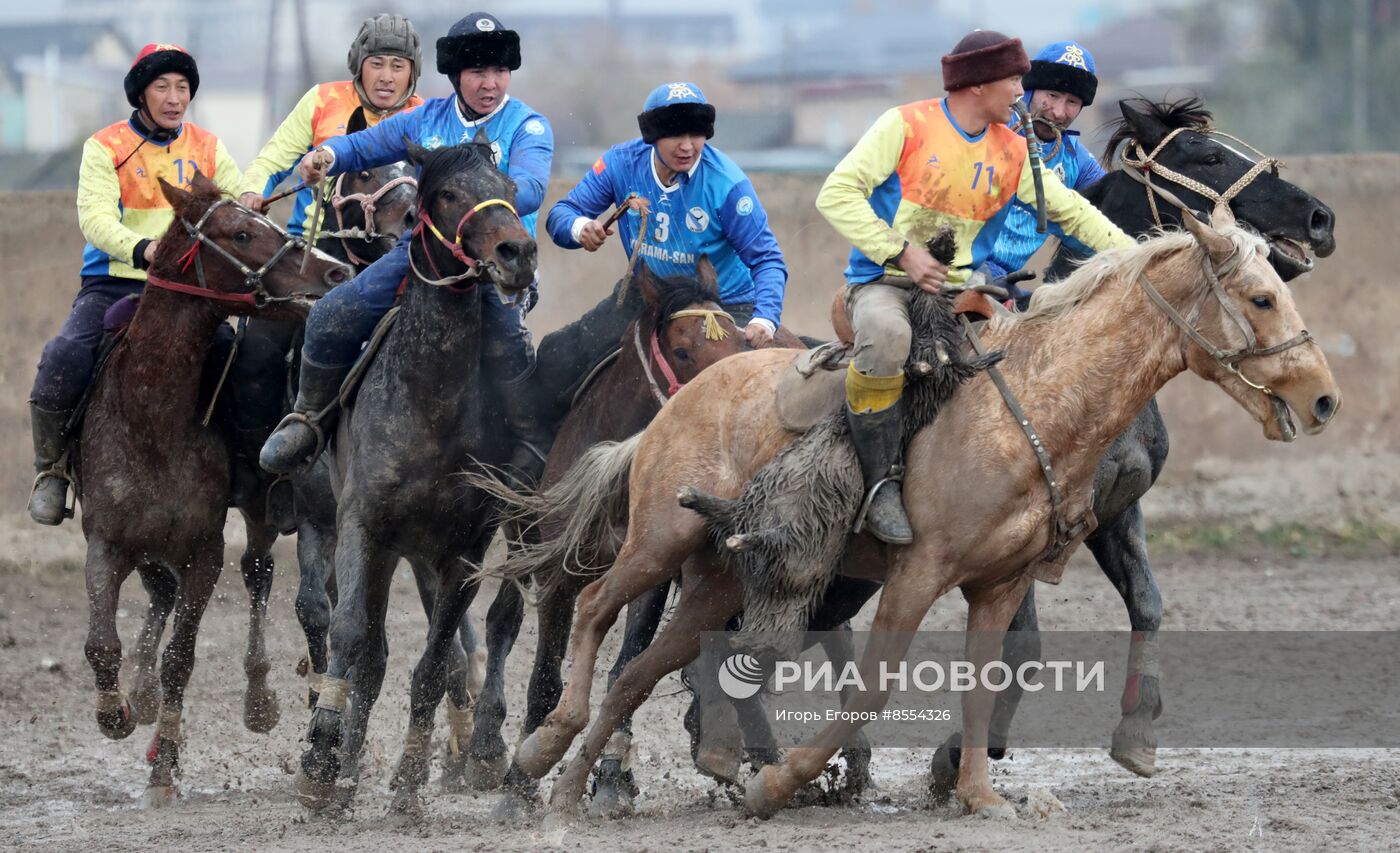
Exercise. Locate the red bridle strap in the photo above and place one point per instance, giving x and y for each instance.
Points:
(250, 298)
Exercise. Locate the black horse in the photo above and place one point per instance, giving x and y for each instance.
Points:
(423, 414)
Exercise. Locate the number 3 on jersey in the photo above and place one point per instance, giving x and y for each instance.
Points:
(663, 226)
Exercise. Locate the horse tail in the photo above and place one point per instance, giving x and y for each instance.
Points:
(571, 528)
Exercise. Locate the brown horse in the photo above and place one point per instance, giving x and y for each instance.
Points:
(691, 333)
(154, 482)
(1086, 358)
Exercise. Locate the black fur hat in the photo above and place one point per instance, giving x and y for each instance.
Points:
(153, 61)
(479, 40)
(676, 109)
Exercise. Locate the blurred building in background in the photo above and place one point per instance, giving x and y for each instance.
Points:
(796, 81)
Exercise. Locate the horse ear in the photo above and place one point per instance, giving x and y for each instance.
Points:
(1217, 245)
(202, 186)
(1147, 129)
(416, 153)
(481, 138)
(1222, 217)
(707, 277)
(648, 285)
(179, 200)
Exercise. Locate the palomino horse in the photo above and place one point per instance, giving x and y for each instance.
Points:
(681, 331)
(1101, 333)
(155, 482)
(424, 412)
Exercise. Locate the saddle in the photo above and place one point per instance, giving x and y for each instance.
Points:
(814, 384)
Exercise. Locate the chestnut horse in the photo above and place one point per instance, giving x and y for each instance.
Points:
(1083, 362)
(153, 480)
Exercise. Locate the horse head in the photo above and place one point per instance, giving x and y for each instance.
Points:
(1295, 223)
(467, 224)
(244, 260)
(1263, 357)
(688, 327)
(373, 207)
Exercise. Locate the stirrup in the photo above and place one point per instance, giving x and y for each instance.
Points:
(70, 497)
(313, 422)
(894, 475)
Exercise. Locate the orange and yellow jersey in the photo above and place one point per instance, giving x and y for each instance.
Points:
(323, 112)
(915, 170)
(120, 207)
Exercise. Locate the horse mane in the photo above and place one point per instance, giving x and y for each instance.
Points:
(1189, 112)
(679, 292)
(441, 164)
(1053, 301)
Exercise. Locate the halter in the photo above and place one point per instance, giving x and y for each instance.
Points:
(713, 332)
(257, 295)
(1226, 358)
(368, 203)
(1144, 167)
(474, 266)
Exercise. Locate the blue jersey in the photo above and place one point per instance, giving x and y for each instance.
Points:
(712, 210)
(522, 143)
(1018, 240)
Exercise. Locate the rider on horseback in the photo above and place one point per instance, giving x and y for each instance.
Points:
(478, 54)
(1061, 82)
(385, 61)
(922, 166)
(699, 203)
(123, 214)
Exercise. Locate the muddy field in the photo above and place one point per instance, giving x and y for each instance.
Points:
(62, 785)
(1258, 536)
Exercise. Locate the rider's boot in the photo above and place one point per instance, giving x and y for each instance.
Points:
(301, 437)
(48, 502)
(877, 439)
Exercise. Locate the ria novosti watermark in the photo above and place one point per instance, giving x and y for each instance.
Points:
(742, 676)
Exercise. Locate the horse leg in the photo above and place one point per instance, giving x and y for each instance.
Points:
(459, 693)
(1022, 644)
(710, 595)
(315, 562)
(909, 592)
(453, 595)
(161, 586)
(363, 571)
(260, 712)
(367, 678)
(553, 615)
(1120, 547)
(197, 582)
(840, 649)
(483, 759)
(641, 566)
(105, 570)
(614, 786)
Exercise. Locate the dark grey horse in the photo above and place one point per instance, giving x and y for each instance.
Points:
(424, 413)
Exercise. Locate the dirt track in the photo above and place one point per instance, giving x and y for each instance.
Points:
(66, 787)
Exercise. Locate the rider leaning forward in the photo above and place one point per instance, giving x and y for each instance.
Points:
(478, 55)
(949, 161)
(122, 213)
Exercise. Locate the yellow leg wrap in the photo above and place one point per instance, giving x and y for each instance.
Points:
(872, 393)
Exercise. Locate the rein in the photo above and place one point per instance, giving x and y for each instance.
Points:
(474, 266)
(368, 203)
(1143, 167)
(713, 332)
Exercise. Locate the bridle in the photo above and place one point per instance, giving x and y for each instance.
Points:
(713, 332)
(368, 203)
(475, 266)
(1143, 167)
(257, 295)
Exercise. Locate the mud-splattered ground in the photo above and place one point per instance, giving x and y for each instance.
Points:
(64, 786)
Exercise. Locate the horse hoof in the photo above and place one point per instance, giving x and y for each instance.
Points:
(484, 774)
(1141, 760)
(614, 791)
(117, 724)
(315, 796)
(557, 822)
(513, 807)
(159, 797)
(532, 757)
(718, 763)
(986, 803)
(408, 803)
(758, 798)
(943, 775)
(260, 712)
